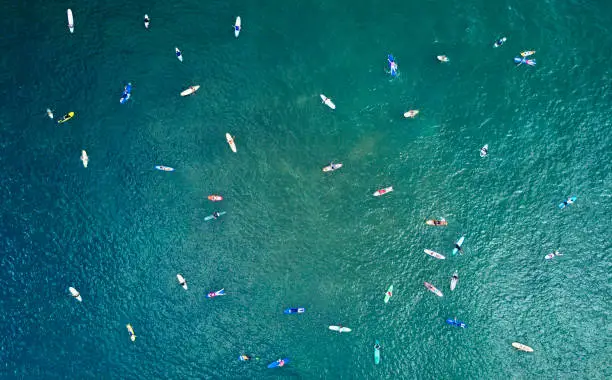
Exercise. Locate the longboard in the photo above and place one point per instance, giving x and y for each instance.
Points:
(230, 141)
(70, 20)
(434, 254)
(190, 90)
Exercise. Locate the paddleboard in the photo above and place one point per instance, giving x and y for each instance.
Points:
(389, 294)
(527, 53)
(329, 168)
(70, 20)
(411, 113)
(49, 113)
(147, 21)
(484, 150)
(84, 158)
(237, 27)
(75, 293)
(433, 289)
(569, 201)
(380, 192)
(230, 141)
(456, 323)
(178, 53)
(209, 217)
(131, 332)
(377, 352)
(340, 329)
(454, 281)
(279, 363)
(181, 281)
(434, 254)
(328, 102)
(215, 198)
(190, 90)
(66, 117)
(295, 310)
(164, 168)
(432, 222)
(458, 244)
(522, 347)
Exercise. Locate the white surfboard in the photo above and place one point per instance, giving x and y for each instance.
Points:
(75, 293)
(484, 150)
(70, 21)
(339, 329)
(237, 27)
(434, 254)
(182, 281)
(190, 90)
(328, 102)
(179, 54)
(230, 141)
(49, 113)
(84, 158)
(147, 21)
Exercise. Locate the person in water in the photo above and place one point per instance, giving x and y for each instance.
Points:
(500, 42)
(459, 248)
(438, 222)
(215, 215)
(455, 277)
(377, 346)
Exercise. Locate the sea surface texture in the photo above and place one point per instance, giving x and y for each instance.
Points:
(119, 231)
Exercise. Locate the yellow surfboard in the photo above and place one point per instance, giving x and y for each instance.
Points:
(66, 117)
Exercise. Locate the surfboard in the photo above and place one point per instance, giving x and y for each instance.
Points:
(458, 243)
(182, 281)
(66, 117)
(454, 281)
(179, 54)
(389, 294)
(484, 150)
(522, 347)
(328, 102)
(147, 21)
(209, 217)
(434, 254)
(70, 20)
(190, 90)
(237, 27)
(340, 329)
(75, 293)
(411, 113)
(441, 222)
(329, 168)
(230, 141)
(380, 192)
(131, 332)
(84, 158)
(433, 289)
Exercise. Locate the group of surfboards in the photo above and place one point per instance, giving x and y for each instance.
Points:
(126, 95)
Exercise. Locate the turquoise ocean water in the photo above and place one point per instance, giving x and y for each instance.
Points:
(119, 231)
